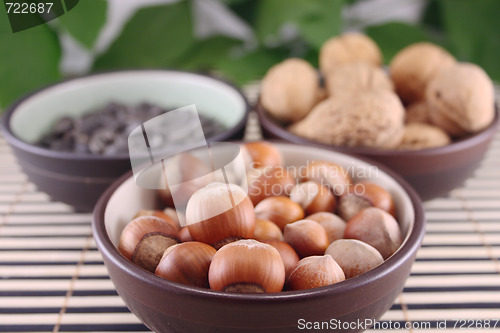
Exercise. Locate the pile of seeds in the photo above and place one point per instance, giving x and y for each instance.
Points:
(105, 131)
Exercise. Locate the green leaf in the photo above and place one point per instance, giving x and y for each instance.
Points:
(252, 66)
(316, 20)
(85, 21)
(392, 37)
(154, 37)
(208, 53)
(29, 59)
(474, 30)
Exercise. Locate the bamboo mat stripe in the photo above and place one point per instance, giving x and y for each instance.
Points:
(52, 278)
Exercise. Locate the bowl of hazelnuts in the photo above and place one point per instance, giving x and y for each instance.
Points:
(427, 116)
(305, 236)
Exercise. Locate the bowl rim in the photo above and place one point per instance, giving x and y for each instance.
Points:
(404, 253)
(271, 125)
(9, 135)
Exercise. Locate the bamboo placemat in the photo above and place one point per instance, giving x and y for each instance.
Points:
(52, 278)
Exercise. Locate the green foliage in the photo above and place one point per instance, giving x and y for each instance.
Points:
(473, 28)
(154, 37)
(85, 22)
(162, 36)
(28, 59)
(392, 37)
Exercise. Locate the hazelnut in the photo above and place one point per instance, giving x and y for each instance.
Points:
(267, 182)
(175, 216)
(313, 197)
(371, 119)
(328, 174)
(333, 224)
(280, 210)
(348, 48)
(355, 78)
(307, 237)
(247, 266)
(288, 254)
(187, 263)
(157, 213)
(422, 136)
(184, 235)
(461, 99)
(354, 257)
(261, 154)
(363, 195)
(314, 272)
(144, 239)
(418, 112)
(220, 213)
(377, 228)
(190, 173)
(290, 90)
(413, 68)
(266, 230)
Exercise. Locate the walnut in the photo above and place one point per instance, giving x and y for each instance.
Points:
(461, 99)
(421, 136)
(414, 66)
(418, 113)
(356, 77)
(347, 48)
(371, 119)
(290, 90)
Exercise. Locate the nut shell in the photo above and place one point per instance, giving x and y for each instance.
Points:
(247, 266)
(288, 254)
(313, 197)
(307, 237)
(280, 210)
(328, 174)
(348, 48)
(461, 99)
(314, 272)
(415, 66)
(333, 224)
(267, 182)
(376, 228)
(363, 195)
(290, 90)
(354, 256)
(261, 154)
(266, 230)
(418, 112)
(187, 263)
(220, 213)
(144, 239)
(355, 78)
(422, 136)
(372, 119)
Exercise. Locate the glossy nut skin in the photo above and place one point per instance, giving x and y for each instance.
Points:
(265, 182)
(329, 174)
(313, 272)
(288, 254)
(184, 235)
(363, 195)
(280, 210)
(266, 230)
(144, 239)
(247, 266)
(219, 213)
(187, 263)
(313, 197)
(261, 154)
(354, 256)
(377, 228)
(307, 237)
(157, 213)
(333, 224)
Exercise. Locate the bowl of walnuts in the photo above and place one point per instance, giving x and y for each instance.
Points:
(305, 236)
(426, 116)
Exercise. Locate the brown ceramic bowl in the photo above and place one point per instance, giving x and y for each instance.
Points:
(165, 306)
(432, 172)
(79, 179)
